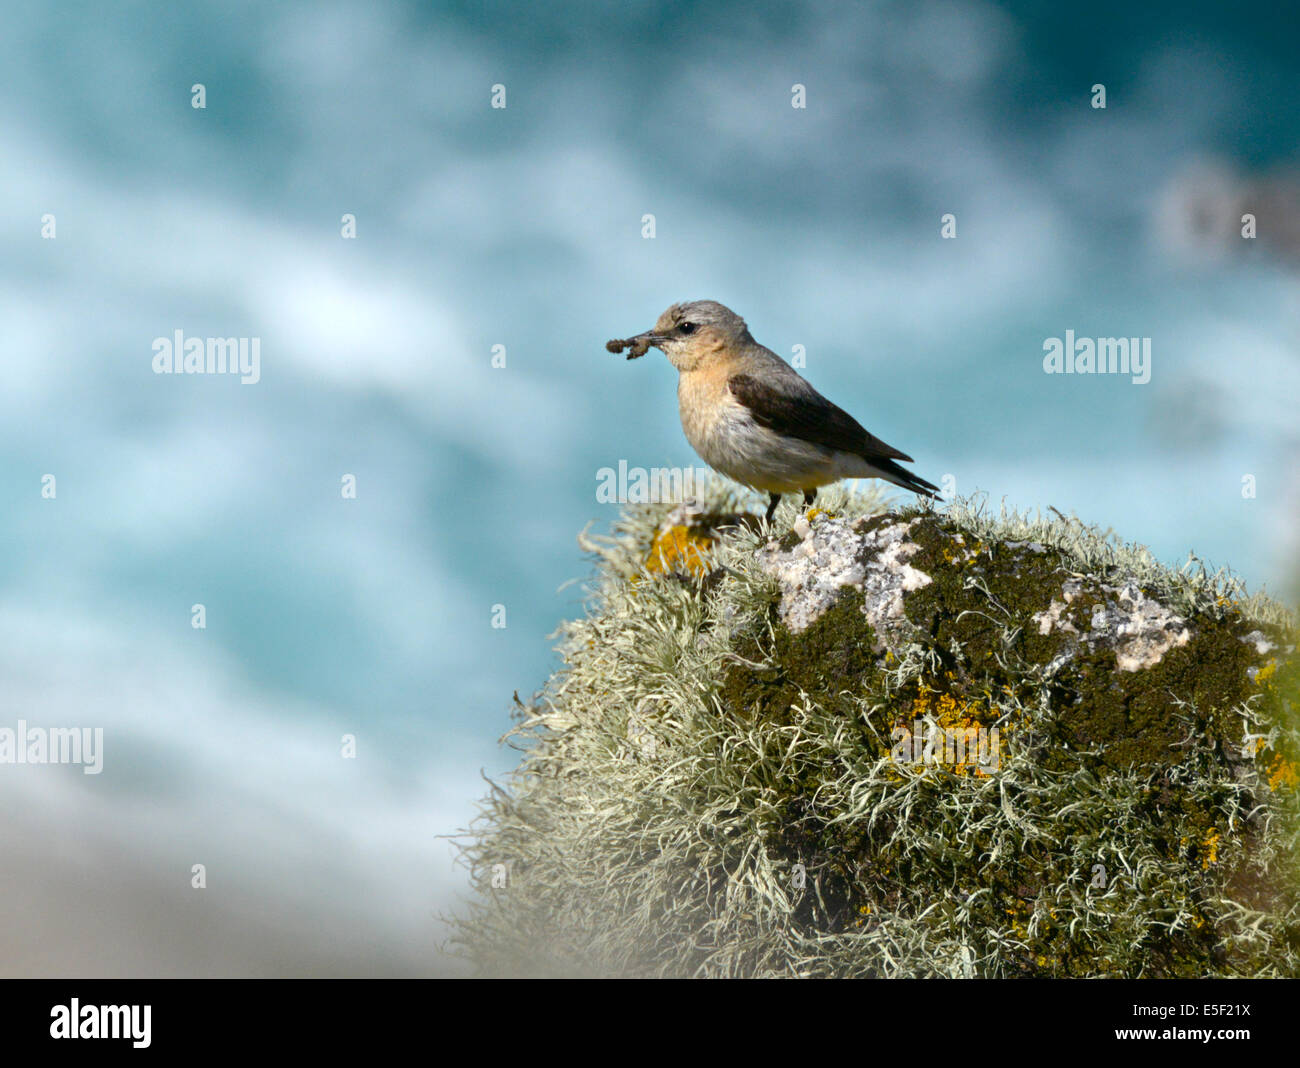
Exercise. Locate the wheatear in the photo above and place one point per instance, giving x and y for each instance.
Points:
(751, 416)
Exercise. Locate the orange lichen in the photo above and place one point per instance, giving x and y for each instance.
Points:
(956, 718)
(1282, 774)
(679, 549)
(1264, 676)
(1211, 848)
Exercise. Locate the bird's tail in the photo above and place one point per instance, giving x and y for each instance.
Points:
(900, 476)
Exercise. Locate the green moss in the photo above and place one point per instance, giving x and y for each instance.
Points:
(977, 613)
(829, 661)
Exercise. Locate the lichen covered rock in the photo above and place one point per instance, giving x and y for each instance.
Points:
(912, 743)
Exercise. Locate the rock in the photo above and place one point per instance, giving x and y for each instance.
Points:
(911, 743)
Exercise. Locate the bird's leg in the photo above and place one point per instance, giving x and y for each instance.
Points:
(809, 495)
(771, 508)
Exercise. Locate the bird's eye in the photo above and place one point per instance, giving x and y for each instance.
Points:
(687, 328)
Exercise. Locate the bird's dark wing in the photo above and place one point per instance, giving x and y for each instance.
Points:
(809, 418)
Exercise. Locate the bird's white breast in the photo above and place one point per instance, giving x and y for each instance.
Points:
(728, 439)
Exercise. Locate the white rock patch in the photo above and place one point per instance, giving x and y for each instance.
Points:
(1139, 629)
(833, 554)
(1261, 643)
(1050, 619)
(830, 556)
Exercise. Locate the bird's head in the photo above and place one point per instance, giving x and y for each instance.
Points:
(691, 334)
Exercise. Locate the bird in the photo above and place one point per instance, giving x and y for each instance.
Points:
(754, 418)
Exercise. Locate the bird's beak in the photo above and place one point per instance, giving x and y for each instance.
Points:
(651, 338)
